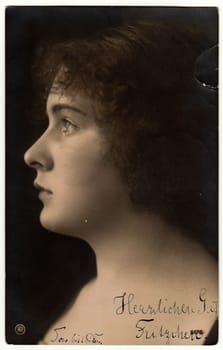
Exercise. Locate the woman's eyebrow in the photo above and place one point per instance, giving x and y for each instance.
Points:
(59, 106)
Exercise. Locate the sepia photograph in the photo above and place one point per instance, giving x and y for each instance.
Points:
(111, 175)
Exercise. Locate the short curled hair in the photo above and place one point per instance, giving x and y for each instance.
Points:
(142, 76)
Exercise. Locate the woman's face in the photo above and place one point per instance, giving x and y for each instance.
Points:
(78, 188)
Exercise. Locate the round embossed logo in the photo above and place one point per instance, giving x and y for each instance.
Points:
(20, 329)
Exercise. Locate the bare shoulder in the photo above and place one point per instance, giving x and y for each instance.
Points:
(191, 282)
(189, 266)
(195, 264)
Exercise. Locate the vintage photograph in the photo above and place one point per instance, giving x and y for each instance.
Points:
(111, 175)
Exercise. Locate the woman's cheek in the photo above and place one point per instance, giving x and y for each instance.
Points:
(81, 159)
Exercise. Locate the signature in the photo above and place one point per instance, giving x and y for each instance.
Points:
(76, 338)
(126, 305)
(143, 331)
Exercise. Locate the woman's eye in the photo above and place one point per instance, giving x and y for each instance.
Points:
(68, 127)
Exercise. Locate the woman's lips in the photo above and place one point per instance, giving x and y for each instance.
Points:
(41, 188)
(44, 193)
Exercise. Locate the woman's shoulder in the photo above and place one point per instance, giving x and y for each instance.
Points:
(182, 283)
(186, 266)
(198, 265)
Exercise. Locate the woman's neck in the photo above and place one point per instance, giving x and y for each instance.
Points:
(130, 243)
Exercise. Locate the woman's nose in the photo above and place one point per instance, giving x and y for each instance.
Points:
(38, 155)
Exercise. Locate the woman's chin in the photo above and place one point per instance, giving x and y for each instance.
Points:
(58, 225)
(51, 223)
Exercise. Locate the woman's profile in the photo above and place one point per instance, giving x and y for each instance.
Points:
(113, 167)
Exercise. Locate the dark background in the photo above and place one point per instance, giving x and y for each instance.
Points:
(45, 270)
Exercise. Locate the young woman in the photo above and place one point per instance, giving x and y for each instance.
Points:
(113, 167)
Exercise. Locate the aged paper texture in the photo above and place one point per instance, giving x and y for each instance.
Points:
(112, 175)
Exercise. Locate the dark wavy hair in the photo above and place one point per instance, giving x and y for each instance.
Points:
(141, 74)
